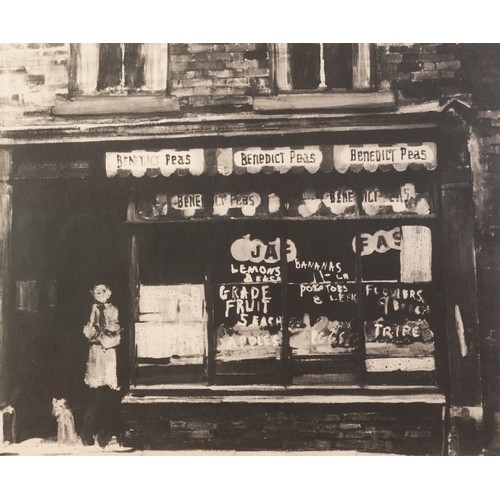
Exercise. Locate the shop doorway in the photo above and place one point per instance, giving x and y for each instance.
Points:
(66, 236)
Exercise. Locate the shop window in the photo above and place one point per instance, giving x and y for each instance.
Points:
(248, 302)
(119, 68)
(398, 304)
(322, 305)
(171, 327)
(323, 66)
(246, 294)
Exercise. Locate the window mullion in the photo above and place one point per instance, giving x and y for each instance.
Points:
(210, 293)
(361, 66)
(88, 67)
(322, 75)
(285, 349)
(282, 70)
(359, 285)
(155, 66)
(122, 74)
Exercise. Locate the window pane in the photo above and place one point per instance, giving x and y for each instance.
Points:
(398, 320)
(247, 302)
(248, 253)
(397, 254)
(399, 197)
(27, 296)
(338, 65)
(416, 254)
(322, 304)
(172, 323)
(323, 253)
(305, 65)
(171, 327)
(173, 255)
(248, 322)
(134, 65)
(119, 66)
(110, 66)
(323, 318)
(381, 254)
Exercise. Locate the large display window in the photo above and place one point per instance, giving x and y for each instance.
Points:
(326, 281)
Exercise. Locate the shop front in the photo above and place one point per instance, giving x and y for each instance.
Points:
(304, 279)
(281, 291)
(310, 268)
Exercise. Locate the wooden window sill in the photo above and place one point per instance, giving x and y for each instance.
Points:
(338, 101)
(116, 105)
(189, 393)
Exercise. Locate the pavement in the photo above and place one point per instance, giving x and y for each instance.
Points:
(40, 447)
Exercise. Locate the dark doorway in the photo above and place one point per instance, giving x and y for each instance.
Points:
(66, 236)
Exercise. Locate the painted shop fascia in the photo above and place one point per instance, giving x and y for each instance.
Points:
(367, 307)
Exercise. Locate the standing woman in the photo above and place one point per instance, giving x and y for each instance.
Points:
(102, 416)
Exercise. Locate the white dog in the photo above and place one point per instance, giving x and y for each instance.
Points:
(66, 433)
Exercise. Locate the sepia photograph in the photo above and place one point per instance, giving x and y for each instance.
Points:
(249, 248)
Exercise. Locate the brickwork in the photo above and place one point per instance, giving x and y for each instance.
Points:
(486, 175)
(420, 71)
(208, 74)
(406, 429)
(31, 74)
(215, 76)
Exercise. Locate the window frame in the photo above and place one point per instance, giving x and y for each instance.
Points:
(84, 100)
(84, 62)
(363, 70)
(361, 222)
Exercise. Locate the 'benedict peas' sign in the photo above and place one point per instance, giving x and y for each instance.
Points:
(372, 156)
(312, 158)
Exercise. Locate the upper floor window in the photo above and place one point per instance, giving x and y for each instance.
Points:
(323, 66)
(118, 68)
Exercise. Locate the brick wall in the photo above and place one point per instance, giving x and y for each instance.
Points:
(210, 74)
(406, 429)
(215, 76)
(420, 71)
(481, 64)
(485, 144)
(31, 74)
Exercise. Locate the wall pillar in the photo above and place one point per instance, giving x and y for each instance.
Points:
(5, 236)
(465, 395)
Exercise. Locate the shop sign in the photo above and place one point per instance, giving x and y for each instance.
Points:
(398, 299)
(187, 204)
(404, 333)
(280, 159)
(381, 241)
(312, 202)
(249, 322)
(165, 162)
(161, 205)
(254, 250)
(325, 336)
(246, 202)
(372, 156)
(401, 200)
